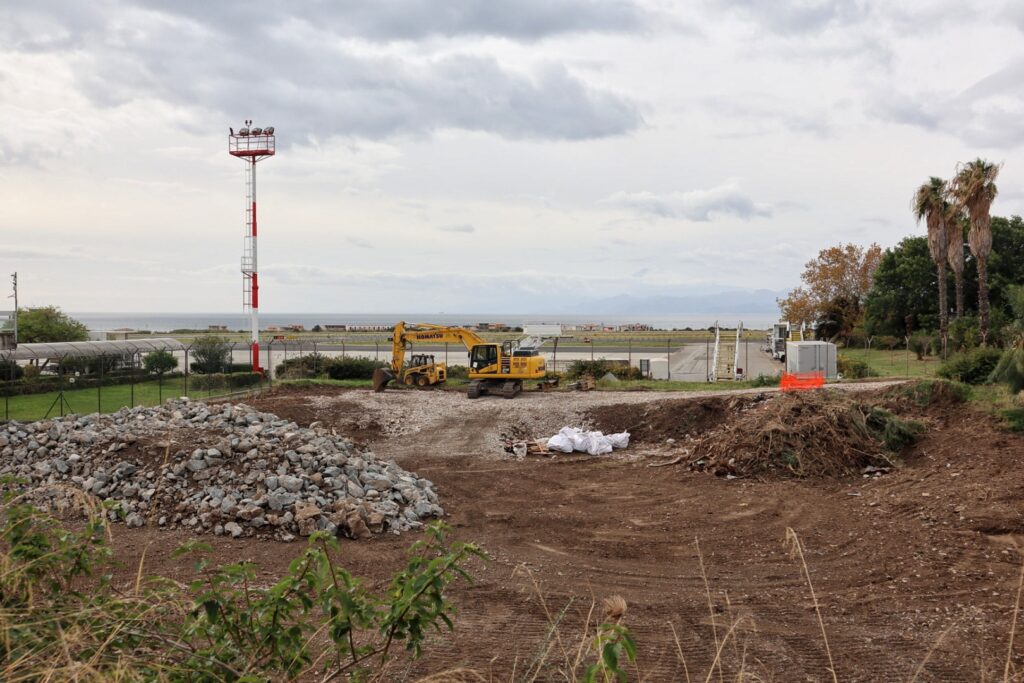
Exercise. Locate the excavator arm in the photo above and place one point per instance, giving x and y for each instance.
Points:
(404, 334)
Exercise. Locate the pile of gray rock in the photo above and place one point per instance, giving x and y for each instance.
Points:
(226, 469)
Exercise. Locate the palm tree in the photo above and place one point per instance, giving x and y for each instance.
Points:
(955, 252)
(974, 189)
(930, 204)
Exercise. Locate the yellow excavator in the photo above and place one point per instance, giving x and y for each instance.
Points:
(493, 368)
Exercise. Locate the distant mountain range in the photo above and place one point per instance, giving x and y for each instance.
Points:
(737, 302)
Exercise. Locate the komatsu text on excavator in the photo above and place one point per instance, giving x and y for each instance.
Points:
(493, 367)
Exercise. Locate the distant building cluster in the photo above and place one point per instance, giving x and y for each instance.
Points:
(600, 327)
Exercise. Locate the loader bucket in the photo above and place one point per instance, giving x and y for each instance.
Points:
(381, 377)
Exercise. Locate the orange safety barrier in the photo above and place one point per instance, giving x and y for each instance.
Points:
(802, 381)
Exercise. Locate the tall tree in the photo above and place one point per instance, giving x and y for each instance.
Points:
(974, 189)
(955, 251)
(49, 324)
(930, 205)
(835, 285)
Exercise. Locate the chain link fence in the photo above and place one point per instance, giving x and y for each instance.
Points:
(43, 387)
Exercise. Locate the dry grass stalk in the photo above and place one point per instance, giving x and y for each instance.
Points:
(1013, 626)
(711, 607)
(796, 547)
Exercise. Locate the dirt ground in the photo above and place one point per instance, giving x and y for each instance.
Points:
(919, 563)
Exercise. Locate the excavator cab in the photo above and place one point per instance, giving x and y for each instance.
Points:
(483, 356)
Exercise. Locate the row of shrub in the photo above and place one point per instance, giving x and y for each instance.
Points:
(964, 334)
(315, 365)
(854, 368)
(601, 367)
(972, 367)
(221, 380)
(42, 385)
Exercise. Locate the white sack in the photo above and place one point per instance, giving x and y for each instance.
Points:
(599, 444)
(620, 440)
(561, 443)
(580, 439)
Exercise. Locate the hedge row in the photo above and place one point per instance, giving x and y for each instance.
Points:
(220, 380)
(39, 385)
(316, 365)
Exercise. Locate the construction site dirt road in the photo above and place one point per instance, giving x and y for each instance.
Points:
(915, 571)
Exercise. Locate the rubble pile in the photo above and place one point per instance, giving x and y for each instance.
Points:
(226, 469)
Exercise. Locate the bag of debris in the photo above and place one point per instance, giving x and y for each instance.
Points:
(620, 440)
(561, 443)
(598, 444)
(580, 441)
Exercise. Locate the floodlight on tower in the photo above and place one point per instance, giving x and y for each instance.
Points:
(251, 146)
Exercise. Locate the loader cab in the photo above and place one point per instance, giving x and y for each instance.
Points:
(482, 356)
(421, 359)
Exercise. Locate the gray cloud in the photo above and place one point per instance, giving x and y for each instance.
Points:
(695, 205)
(298, 74)
(464, 228)
(358, 242)
(989, 113)
(798, 17)
(760, 113)
(388, 20)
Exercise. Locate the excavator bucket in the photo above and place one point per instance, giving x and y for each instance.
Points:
(381, 377)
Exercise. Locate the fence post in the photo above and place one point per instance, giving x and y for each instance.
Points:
(342, 348)
(316, 360)
(131, 403)
(99, 389)
(270, 364)
(629, 358)
(186, 368)
(376, 346)
(10, 387)
(668, 356)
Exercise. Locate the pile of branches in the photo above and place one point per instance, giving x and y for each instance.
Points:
(807, 434)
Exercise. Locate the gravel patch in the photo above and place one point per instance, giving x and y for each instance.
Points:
(226, 469)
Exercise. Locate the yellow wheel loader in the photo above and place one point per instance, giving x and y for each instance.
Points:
(493, 368)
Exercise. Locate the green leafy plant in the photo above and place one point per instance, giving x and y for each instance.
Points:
(854, 368)
(352, 367)
(210, 354)
(613, 645)
(766, 381)
(971, 367)
(159, 362)
(219, 380)
(930, 391)
(63, 621)
(269, 629)
(601, 367)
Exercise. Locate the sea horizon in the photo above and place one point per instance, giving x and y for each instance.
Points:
(166, 322)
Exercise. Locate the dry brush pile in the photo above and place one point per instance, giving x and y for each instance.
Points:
(806, 434)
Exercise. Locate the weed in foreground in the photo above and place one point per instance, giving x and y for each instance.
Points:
(61, 619)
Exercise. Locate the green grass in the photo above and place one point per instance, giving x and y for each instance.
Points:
(108, 399)
(898, 363)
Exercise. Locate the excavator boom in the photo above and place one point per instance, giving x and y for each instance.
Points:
(404, 334)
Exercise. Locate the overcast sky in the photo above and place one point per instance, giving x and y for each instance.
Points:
(482, 156)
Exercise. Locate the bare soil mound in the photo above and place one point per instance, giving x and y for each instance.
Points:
(679, 420)
(323, 406)
(806, 434)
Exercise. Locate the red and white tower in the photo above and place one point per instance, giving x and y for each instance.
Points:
(251, 145)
